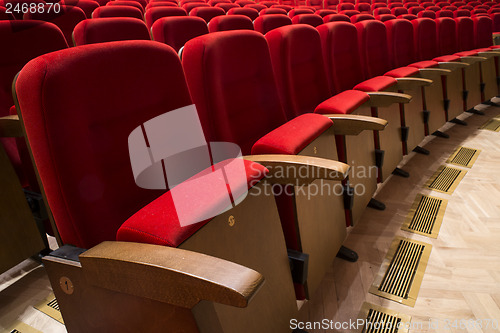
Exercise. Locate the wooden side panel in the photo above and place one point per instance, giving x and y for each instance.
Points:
(253, 237)
(472, 85)
(321, 216)
(435, 103)
(489, 78)
(414, 118)
(363, 175)
(454, 87)
(19, 236)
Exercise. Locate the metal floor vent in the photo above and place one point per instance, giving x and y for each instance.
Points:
(425, 216)
(50, 307)
(492, 125)
(446, 179)
(402, 271)
(378, 319)
(464, 156)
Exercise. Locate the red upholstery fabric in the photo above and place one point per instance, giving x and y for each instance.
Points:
(30, 39)
(242, 3)
(465, 33)
(250, 12)
(285, 7)
(268, 11)
(401, 43)
(215, 2)
(424, 64)
(461, 13)
(377, 83)
(117, 11)
(227, 6)
(167, 30)
(110, 29)
(310, 19)
(256, 6)
(88, 6)
(373, 47)
(293, 136)
(231, 82)
(399, 11)
(444, 13)
(192, 5)
(4, 15)
(126, 3)
(298, 11)
(207, 13)
(336, 18)
(349, 12)
(415, 10)
(158, 222)
(266, 23)
(66, 19)
(299, 68)
(343, 103)
(434, 8)
(386, 17)
(341, 54)
(425, 39)
(318, 4)
(363, 8)
(446, 30)
(161, 4)
(427, 13)
(230, 22)
(268, 4)
(345, 6)
(82, 156)
(382, 11)
(496, 21)
(361, 17)
(324, 12)
(466, 53)
(447, 58)
(483, 29)
(155, 13)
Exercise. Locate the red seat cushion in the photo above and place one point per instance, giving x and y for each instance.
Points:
(293, 136)
(447, 58)
(494, 47)
(377, 83)
(403, 72)
(202, 198)
(466, 54)
(424, 64)
(343, 103)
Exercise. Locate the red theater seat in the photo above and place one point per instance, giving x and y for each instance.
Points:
(310, 19)
(230, 22)
(285, 7)
(427, 13)
(268, 11)
(4, 15)
(399, 11)
(349, 12)
(126, 3)
(257, 7)
(109, 30)
(175, 31)
(336, 17)
(87, 6)
(298, 11)
(266, 23)
(444, 13)
(324, 12)
(386, 17)
(161, 4)
(227, 6)
(207, 13)
(191, 5)
(381, 11)
(66, 19)
(117, 11)
(361, 17)
(250, 12)
(155, 13)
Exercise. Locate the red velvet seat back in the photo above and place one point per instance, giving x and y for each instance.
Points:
(231, 81)
(427, 13)
(415, 10)
(324, 12)
(401, 43)
(465, 33)
(399, 11)
(373, 48)
(483, 30)
(230, 22)
(266, 23)
(310, 19)
(268, 11)
(88, 6)
(386, 17)
(110, 29)
(66, 19)
(207, 13)
(496, 21)
(446, 30)
(88, 97)
(117, 11)
(298, 11)
(318, 4)
(424, 30)
(461, 13)
(299, 68)
(444, 13)
(381, 11)
(250, 12)
(345, 6)
(192, 5)
(349, 12)
(126, 3)
(177, 30)
(155, 13)
(285, 7)
(4, 15)
(341, 54)
(361, 17)
(227, 6)
(363, 8)
(161, 4)
(336, 18)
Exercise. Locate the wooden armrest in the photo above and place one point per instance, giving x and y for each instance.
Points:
(488, 55)
(382, 99)
(299, 170)
(348, 124)
(10, 127)
(452, 65)
(472, 60)
(433, 72)
(170, 275)
(409, 83)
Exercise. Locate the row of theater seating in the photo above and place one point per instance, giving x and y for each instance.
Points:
(264, 93)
